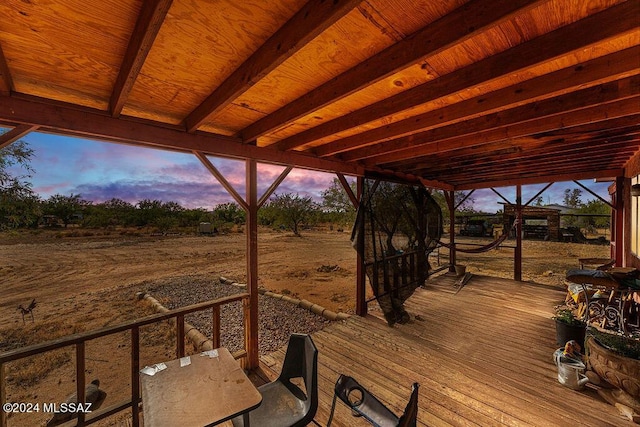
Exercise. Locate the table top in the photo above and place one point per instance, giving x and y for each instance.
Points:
(209, 390)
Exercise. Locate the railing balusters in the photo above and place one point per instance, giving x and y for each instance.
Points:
(135, 375)
(79, 341)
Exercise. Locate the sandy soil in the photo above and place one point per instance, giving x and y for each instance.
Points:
(87, 282)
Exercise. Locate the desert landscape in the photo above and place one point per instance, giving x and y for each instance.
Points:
(84, 280)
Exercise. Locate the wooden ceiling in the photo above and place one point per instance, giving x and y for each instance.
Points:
(460, 94)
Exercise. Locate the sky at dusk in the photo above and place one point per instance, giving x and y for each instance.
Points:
(99, 171)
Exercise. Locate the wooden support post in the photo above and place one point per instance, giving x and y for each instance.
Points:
(80, 366)
(517, 256)
(135, 375)
(618, 253)
(180, 335)
(450, 198)
(361, 282)
(215, 327)
(3, 396)
(252, 263)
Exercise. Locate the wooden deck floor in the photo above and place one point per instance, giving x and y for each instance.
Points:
(482, 356)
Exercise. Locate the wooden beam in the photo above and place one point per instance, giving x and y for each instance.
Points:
(568, 137)
(252, 344)
(144, 34)
(480, 131)
(580, 35)
(361, 279)
(274, 186)
(470, 19)
(15, 134)
(88, 123)
(222, 180)
(543, 178)
(517, 255)
(347, 189)
(6, 81)
(593, 193)
(311, 20)
(560, 105)
(543, 153)
(598, 71)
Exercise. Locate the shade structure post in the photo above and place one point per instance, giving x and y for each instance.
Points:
(361, 283)
(517, 256)
(450, 198)
(252, 263)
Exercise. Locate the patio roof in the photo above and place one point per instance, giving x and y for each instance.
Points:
(460, 94)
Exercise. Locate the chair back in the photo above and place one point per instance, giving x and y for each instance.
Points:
(301, 361)
(410, 416)
(361, 401)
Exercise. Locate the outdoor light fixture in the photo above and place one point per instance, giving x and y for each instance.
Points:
(635, 190)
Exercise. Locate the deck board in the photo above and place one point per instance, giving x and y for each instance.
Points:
(483, 357)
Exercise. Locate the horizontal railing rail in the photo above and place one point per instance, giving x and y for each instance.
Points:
(78, 340)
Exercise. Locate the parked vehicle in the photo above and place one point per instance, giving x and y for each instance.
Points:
(477, 228)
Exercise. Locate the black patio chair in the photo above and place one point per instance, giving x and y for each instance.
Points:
(366, 405)
(284, 403)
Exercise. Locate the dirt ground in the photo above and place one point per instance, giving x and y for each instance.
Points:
(85, 281)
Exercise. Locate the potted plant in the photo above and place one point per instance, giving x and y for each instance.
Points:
(569, 327)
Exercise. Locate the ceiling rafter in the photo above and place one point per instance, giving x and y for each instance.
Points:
(598, 71)
(148, 25)
(89, 123)
(314, 17)
(555, 177)
(616, 127)
(579, 35)
(6, 81)
(549, 156)
(463, 23)
(590, 105)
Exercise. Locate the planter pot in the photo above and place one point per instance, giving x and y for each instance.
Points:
(621, 372)
(566, 332)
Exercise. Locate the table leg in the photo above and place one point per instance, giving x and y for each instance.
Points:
(245, 419)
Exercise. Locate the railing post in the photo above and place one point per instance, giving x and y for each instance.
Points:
(80, 380)
(3, 396)
(246, 310)
(135, 375)
(215, 327)
(180, 335)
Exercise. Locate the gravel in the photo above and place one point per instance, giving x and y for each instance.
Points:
(277, 319)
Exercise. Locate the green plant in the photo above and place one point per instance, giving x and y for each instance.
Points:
(624, 346)
(566, 315)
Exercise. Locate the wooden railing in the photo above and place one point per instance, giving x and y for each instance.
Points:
(79, 340)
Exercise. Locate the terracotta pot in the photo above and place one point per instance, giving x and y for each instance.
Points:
(621, 372)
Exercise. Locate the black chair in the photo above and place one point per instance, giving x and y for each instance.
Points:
(365, 404)
(283, 402)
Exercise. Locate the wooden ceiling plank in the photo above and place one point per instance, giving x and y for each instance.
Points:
(614, 127)
(15, 134)
(579, 35)
(517, 122)
(598, 71)
(87, 123)
(148, 25)
(311, 20)
(470, 19)
(579, 175)
(6, 81)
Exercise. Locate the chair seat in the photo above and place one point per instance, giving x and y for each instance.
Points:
(279, 408)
